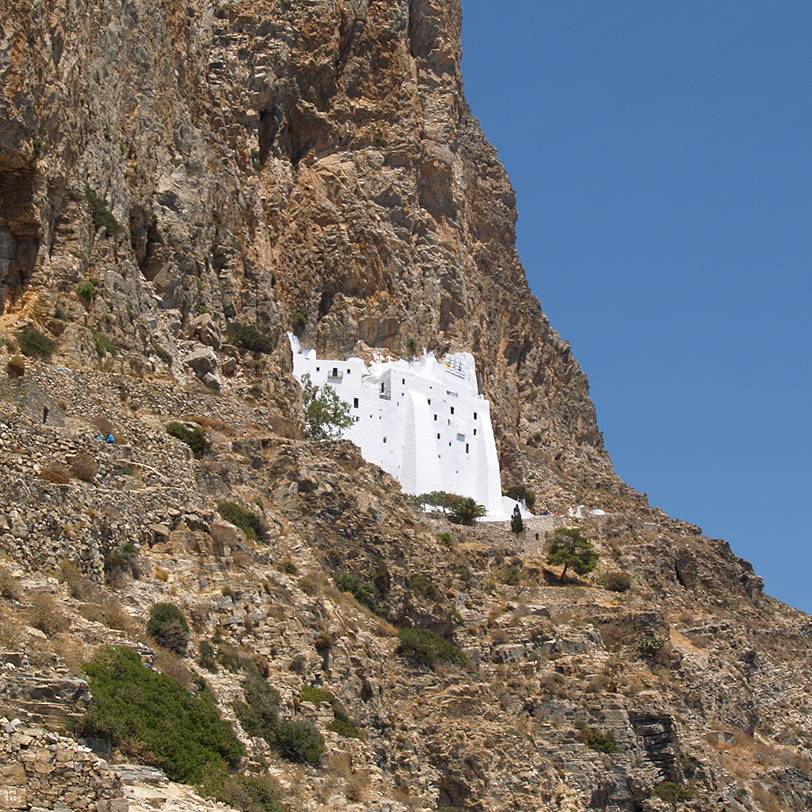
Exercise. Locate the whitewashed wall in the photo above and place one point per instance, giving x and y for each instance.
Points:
(423, 421)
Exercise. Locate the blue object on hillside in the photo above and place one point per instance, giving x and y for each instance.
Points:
(109, 439)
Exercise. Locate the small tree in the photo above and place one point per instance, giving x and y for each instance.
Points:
(326, 415)
(570, 548)
(516, 523)
(466, 511)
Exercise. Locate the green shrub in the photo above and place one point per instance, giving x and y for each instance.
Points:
(570, 548)
(422, 647)
(648, 646)
(103, 344)
(34, 344)
(522, 493)
(193, 436)
(207, 656)
(252, 524)
(288, 567)
(260, 711)
(446, 539)
(259, 715)
(510, 574)
(154, 719)
(465, 510)
(618, 581)
(361, 590)
(247, 337)
(315, 695)
(250, 793)
(344, 727)
(411, 346)
(438, 499)
(168, 627)
(326, 415)
(102, 216)
(87, 291)
(421, 584)
(672, 793)
(299, 741)
(597, 741)
(299, 321)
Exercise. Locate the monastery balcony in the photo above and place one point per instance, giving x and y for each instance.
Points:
(331, 378)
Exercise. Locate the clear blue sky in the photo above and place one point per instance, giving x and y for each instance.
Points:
(661, 154)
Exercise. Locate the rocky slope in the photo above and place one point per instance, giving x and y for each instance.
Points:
(171, 173)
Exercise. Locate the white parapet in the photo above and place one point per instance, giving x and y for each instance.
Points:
(423, 421)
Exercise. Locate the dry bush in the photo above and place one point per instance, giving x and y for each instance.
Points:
(767, 802)
(55, 472)
(554, 684)
(84, 467)
(172, 666)
(9, 585)
(109, 613)
(11, 633)
(15, 368)
(72, 651)
(161, 574)
(206, 422)
(745, 756)
(46, 615)
(79, 587)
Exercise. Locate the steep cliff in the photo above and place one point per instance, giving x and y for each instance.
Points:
(182, 183)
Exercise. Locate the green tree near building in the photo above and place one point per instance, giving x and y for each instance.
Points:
(326, 415)
(570, 549)
(516, 522)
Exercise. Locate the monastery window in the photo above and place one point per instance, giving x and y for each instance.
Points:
(474, 415)
(467, 448)
(348, 370)
(355, 403)
(452, 410)
(449, 443)
(460, 438)
(438, 435)
(384, 439)
(318, 369)
(403, 381)
(435, 418)
(430, 402)
(474, 432)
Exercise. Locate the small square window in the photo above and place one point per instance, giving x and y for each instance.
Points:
(318, 369)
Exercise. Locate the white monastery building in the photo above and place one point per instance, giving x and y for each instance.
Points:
(423, 421)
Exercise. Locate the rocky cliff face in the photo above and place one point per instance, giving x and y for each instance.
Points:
(180, 184)
(272, 163)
